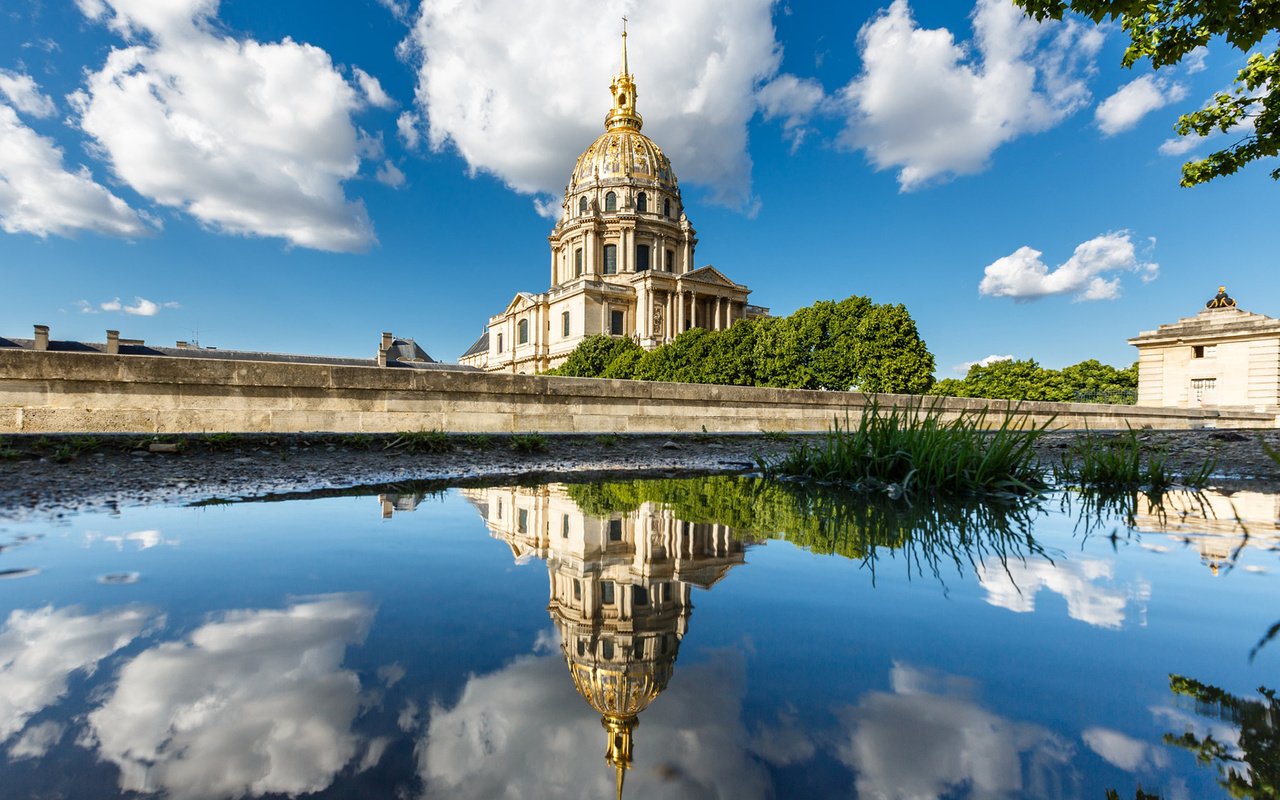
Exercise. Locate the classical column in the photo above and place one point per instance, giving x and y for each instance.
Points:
(679, 312)
(693, 309)
(589, 254)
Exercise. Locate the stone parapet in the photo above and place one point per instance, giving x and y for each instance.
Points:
(59, 392)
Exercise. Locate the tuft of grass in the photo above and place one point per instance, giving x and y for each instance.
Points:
(773, 436)
(1271, 452)
(219, 441)
(8, 453)
(433, 441)
(480, 441)
(918, 452)
(703, 437)
(1103, 463)
(532, 442)
(608, 440)
(357, 441)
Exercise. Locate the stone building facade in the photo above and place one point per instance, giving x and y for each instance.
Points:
(1221, 357)
(622, 258)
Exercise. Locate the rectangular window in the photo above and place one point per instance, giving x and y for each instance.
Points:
(522, 330)
(1197, 351)
(499, 508)
(617, 321)
(499, 343)
(577, 589)
(564, 526)
(640, 596)
(606, 650)
(522, 525)
(615, 530)
(606, 592)
(577, 263)
(610, 259)
(642, 257)
(671, 260)
(564, 324)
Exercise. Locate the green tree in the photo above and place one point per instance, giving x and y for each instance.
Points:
(1013, 380)
(1165, 31)
(888, 353)
(1252, 767)
(1092, 381)
(681, 360)
(592, 357)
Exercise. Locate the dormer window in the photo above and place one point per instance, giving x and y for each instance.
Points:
(666, 209)
(582, 206)
(611, 202)
(642, 202)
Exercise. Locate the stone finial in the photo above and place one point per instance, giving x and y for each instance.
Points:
(42, 337)
(113, 343)
(1221, 300)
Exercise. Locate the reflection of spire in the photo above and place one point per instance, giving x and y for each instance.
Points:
(621, 593)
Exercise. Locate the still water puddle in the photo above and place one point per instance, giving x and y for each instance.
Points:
(703, 638)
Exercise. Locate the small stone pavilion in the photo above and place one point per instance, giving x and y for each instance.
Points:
(1223, 356)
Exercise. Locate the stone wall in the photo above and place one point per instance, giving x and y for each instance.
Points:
(91, 392)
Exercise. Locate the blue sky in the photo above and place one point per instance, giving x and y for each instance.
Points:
(300, 176)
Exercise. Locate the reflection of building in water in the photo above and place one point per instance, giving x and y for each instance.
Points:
(1218, 524)
(621, 588)
(392, 503)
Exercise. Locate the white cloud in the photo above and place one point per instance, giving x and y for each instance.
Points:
(982, 362)
(398, 8)
(1123, 751)
(1133, 101)
(22, 91)
(1022, 275)
(390, 175)
(373, 90)
(254, 703)
(524, 731)
(1194, 61)
(523, 107)
(792, 99)
(40, 649)
(929, 739)
(36, 740)
(408, 130)
(1014, 586)
(39, 196)
(142, 307)
(1180, 145)
(932, 107)
(249, 138)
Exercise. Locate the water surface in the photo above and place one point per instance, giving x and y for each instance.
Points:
(708, 638)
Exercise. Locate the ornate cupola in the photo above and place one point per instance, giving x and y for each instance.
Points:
(623, 114)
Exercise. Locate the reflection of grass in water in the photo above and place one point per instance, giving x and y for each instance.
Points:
(920, 452)
(931, 537)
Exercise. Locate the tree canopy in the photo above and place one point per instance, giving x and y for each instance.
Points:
(1166, 31)
(1087, 382)
(850, 344)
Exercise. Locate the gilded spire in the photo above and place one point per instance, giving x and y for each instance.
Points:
(618, 750)
(623, 115)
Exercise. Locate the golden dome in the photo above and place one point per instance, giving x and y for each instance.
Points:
(623, 153)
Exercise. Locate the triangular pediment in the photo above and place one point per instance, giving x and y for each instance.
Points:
(521, 300)
(708, 274)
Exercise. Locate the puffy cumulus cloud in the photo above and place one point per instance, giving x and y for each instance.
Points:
(390, 175)
(373, 91)
(524, 731)
(254, 703)
(1024, 276)
(249, 138)
(21, 90)
(38, 195)
(1133, 101)
(982, 362)
(1014, 586)
(40, 649)
(929, 739)
(522, 108)
(793, 100)
(932, 107)
(1123, 751)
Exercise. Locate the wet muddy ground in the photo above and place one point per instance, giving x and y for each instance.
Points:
(63, 474)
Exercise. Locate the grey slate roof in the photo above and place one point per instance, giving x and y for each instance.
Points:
(481, 345)
(400, 349)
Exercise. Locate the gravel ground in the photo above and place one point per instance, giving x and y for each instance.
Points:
(50, 476)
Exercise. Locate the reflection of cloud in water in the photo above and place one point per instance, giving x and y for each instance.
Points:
(524, 731)
(1125, 752)
(929, 739)
(256, 702)
(40, 649)
(1014, 586)
(141, 540)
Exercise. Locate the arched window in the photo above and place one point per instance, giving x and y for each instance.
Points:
(666, 208)
(522, 332)
(577, 263)
(582, 206)
(610, 259)
(610, 202)
(642, 203)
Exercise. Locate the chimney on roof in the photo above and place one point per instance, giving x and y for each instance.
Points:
(181, 345)
(113, 343)
(387, 339)
(42, 337)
